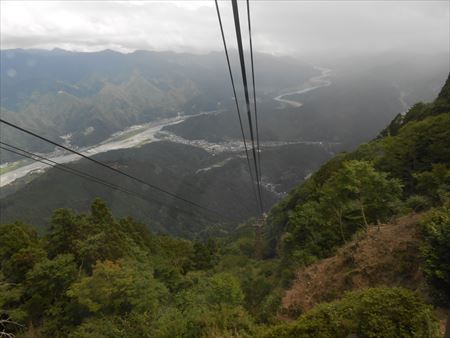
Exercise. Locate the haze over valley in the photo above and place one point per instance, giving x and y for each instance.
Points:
(119, 101)
(235, 168)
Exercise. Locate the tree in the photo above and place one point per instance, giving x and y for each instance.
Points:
(436, 251)
(213, 307)
(65, 229)
(373, 192)
(435, 184)
(335, 204)
(100, 214)
(46, 286)
(224, 288)
(93, 237)
(20, 250)
(374, 312)
(117, 288)
(204, 254)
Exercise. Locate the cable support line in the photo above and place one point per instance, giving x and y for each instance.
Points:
(59, 166)
(237, 103)
(114, 169)
(258, 151)
(247, 99)
(79, 173)
(82, 173)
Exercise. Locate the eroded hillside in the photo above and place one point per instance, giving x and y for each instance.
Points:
(385, 255)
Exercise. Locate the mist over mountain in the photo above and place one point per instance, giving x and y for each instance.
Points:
(365, 238)
(146, 193)
(89, 96)
(81, 99)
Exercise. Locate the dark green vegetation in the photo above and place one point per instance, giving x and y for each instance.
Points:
(91, 95)
(179, 168)
(436, 252)
(376, 312)
(92, 275)
(390, 175)
(95, 276)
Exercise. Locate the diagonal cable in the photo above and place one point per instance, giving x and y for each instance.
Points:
(79, 173)
(114, 169)
(247, 99)
(237, 104)
(258, 150)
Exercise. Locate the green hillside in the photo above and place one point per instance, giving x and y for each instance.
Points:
(179, 168)
(94, 275)
(407, 166)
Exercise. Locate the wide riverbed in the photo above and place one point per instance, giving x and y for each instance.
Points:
(128, 138)
(137, 135)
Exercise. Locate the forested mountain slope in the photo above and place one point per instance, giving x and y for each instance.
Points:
(92, 275)
(409, 163)
(219, 182)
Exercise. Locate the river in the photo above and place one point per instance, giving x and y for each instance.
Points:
(130, 137)
(150, 132)
(315, 82)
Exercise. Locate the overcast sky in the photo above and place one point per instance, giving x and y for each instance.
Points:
(279, 27)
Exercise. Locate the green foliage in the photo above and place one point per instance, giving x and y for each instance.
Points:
(372, 191)
(214, 306)
(204, 254)
(94, 237)
(45, 287)
(418, 146)
(421, 111)
(434, 184)
(377, 312)
(224, 289)
(20, 249)
(118, 288)
(354, 196)
(418, 203)
(436, 251)
(93, 275)
(406, 168)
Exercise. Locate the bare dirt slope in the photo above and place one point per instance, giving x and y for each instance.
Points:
(385, 255)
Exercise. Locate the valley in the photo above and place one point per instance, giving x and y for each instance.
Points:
(315, 82)
(224, 169)
(297, 120)
(137, 135)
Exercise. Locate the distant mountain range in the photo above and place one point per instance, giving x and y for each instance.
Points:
(88, 96)
(82, 98)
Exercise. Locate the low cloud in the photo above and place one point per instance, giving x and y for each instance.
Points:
(279, 27)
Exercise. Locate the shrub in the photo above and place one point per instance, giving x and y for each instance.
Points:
(375, 312)
(418, 203)
(436, 251)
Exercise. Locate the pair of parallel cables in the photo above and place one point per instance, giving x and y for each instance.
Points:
(47, 161)
(256, 152)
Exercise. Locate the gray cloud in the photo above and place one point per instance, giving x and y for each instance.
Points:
(279, 27)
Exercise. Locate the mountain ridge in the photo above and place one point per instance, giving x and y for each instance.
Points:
(71, 280)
